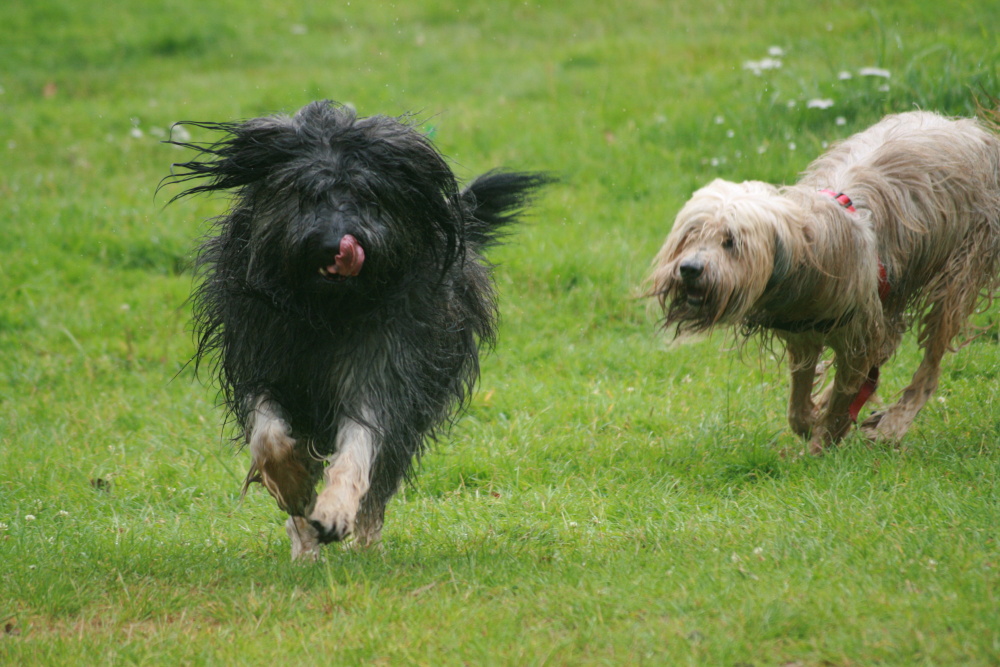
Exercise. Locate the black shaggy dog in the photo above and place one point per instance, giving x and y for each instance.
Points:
(343, 301)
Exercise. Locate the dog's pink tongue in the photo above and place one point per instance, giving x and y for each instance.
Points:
(350, 258)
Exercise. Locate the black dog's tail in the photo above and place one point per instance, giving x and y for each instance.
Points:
(495, 200)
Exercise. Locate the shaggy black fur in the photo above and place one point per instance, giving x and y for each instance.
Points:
(394, 347)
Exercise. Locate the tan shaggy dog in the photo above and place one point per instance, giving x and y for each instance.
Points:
(895, 227)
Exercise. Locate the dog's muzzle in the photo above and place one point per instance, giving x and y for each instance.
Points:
(691, 271)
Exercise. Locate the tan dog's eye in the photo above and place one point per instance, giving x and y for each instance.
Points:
(727, 242)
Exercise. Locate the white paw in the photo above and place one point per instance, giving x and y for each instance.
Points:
(333, 516)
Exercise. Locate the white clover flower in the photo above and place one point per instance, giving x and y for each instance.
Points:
(819, 103)
(775, 51)
(135, 133)
(179, 133)
(840, 120)
(29, 517)
(759, 66)
(874, 71)
(844, 75)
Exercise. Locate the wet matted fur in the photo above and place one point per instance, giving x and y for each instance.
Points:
(342, 303)
(894, 227)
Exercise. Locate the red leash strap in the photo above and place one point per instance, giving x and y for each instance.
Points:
(883, 282)
(866, 391)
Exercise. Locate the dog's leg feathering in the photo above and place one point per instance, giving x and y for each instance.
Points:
(348, 478)
(278, 462)
(835, 420)
(941, 324)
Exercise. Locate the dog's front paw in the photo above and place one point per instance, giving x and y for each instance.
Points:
(305, 541)
(333, 516)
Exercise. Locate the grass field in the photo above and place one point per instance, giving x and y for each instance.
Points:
(607, 499)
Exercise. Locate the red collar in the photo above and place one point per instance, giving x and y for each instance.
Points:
(840, 198)
(845, 201)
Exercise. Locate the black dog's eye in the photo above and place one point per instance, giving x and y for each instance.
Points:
(727, 242)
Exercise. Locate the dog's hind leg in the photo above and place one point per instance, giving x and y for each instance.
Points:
(305, 540)
(394, 460)
(802, 357)
(371, 515)
(940, 325)
(348, 478)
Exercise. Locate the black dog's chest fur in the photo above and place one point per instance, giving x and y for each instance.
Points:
(399, 363)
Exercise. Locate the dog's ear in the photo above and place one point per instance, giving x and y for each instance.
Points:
(249, 151)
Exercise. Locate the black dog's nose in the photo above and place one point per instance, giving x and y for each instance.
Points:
(691, 269)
